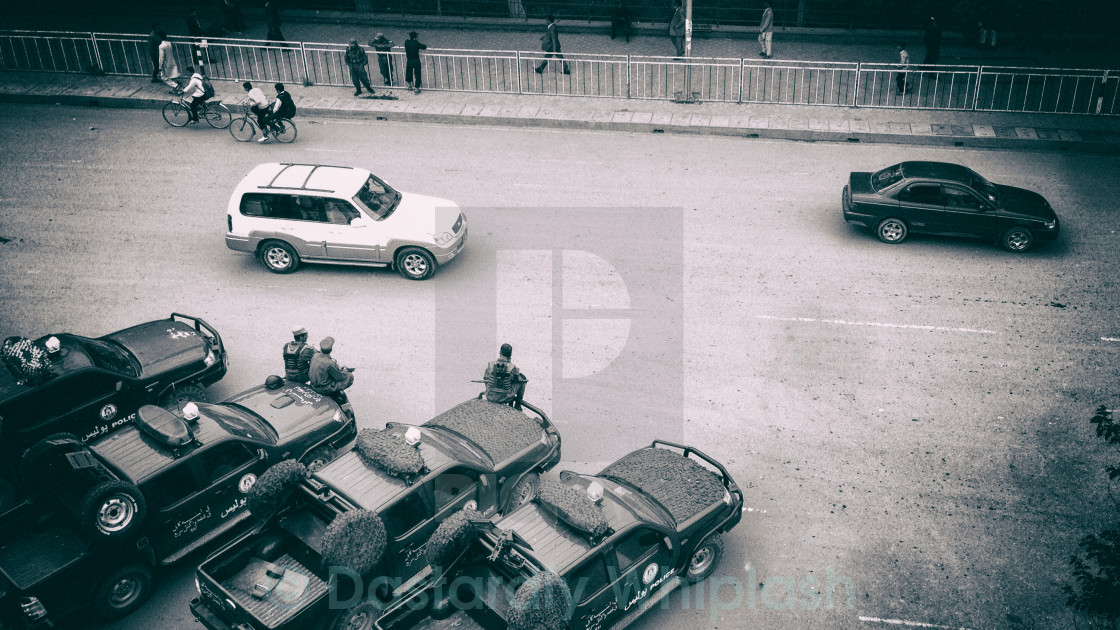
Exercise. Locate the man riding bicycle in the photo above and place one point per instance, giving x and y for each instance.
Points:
(283, 107)
(195, 91)
(258, 102)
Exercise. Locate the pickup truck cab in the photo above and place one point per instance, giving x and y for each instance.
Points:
(158, 487)
(478, 455)
(638, 530)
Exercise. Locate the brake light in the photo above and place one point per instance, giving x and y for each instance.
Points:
(32, 608)
(229, 222)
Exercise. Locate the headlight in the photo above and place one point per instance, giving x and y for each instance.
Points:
(444, 238)
(197, 584)
(1051, 225)
(211, 358)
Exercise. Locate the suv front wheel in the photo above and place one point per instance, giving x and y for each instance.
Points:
(415, 263)
(279, 257)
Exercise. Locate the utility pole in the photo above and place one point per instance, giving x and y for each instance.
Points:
(687, 96)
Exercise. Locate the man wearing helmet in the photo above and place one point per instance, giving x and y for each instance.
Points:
(297, 356)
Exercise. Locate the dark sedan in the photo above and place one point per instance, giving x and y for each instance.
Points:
(941, 198)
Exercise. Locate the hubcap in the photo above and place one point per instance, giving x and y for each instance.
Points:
(278, 258)
(124, 592)
(1017, 240)
(892, 231)
(415, 265)
(362, 620)
(700, 561)
(115, 514)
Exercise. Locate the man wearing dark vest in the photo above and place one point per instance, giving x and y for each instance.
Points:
(327, 376)
(297, 357)
(504, 382)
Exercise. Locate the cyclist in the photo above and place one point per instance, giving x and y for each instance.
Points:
(195, 92)
(258, 102)
(282, 107)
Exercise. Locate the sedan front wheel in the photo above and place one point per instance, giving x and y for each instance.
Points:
(1016, 239)
(892, 230)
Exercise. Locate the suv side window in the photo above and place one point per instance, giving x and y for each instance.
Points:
(453, 485)
(922, 193)
(223, 459)
(636, 546)
(257, 205)
(407, 513)
(89, 386)
(340, 212)
(171, 486)
(309, 208)
(589, 579)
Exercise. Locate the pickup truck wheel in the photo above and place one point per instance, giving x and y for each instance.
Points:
(704, 560)
(123, 591)
(175, 400)
(320, 457)
(41, 453)
(360, 617)
(113, 509)
(525, 490)
(279, 257)
(415, 263)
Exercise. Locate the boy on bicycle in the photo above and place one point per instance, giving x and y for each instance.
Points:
(283, 107)
(195, 92)
(258, 102)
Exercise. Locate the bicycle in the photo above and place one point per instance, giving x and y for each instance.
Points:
(244, 128)
(177, 113)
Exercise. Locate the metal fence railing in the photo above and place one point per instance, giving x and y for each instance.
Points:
(942, 87)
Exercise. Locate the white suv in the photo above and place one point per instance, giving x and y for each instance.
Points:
(288, 213)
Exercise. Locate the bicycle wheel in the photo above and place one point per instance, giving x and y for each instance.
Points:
(285, 131)
(242, 129)
(176, 115)
(218, 115)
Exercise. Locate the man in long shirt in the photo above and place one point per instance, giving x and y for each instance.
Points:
(676, 28)
(766, 31)
(326, 375)
(412, 48)
(383, 45)
(258, 104)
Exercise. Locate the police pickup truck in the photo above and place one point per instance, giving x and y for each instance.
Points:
(147, 494)
(589, 552)
(308, 567)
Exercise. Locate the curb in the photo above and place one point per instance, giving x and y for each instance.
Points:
(802, 135)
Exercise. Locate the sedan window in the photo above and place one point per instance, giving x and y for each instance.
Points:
(960, 198)
(887, 177)
(922, 193)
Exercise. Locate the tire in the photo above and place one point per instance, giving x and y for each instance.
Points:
(524, 491)
(1016, 239)
(705, 559)
(176, 115)
(122, 592)
(177, 398)
(113, 510)
(361, 617)
(242, 129)
(320, 457)
(287, 132)
(218, 115)
(892, 230)
(279, 257)
(34, 460)
(415, 263)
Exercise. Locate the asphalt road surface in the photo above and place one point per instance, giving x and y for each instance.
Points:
(909, 423)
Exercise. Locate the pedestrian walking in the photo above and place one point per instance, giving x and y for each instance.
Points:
(383, 45)
(412, 48)
(620, 20)
(235, 23)
(932, 40)
(986, 31)
(676, 28)
(168, 69)
(766, 31)
(272, 18)
(900, 77)
(550, 44)
(153, 51)
(194, 27)
(357, 60)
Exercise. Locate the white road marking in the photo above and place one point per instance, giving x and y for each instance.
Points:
(912, 624)
(1109, 339)
(979, 331)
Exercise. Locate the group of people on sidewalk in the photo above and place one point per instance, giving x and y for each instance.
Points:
(357, 60)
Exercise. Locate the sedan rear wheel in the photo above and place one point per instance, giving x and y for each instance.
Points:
(892, 230)
(1016, 239)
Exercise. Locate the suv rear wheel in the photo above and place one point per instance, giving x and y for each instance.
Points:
(415, 263)
(279, 257)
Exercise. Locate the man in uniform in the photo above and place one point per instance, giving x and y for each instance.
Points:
(504, 382)
(327, 376)
(297, 356)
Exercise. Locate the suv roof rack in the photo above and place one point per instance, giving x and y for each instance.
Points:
(302, 186)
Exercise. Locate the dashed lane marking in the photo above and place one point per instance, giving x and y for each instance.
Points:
(1110, 339)
(842, 322)
(910, 624)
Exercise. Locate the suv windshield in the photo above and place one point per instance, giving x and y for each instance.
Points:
(109, 356)
(886, 178)
(377, 198)
(241, 421)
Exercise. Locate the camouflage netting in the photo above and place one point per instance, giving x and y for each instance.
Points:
(354, 540)
(680, 484)
(573, 507)
(28, 363)
(500, 430)
(389, 452)
(450, 538)
(542, 602)
(274, 487)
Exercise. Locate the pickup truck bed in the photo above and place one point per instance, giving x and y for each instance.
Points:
(272, 609)
(39, 555)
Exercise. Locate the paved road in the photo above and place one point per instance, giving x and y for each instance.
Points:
(911, 420)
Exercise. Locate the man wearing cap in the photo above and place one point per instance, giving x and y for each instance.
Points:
(297, 356)
(505, 384)
(327, 376)
(412, 49)
(356, 59)
(383, 45)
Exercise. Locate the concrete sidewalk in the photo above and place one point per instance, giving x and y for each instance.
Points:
(1031, 132)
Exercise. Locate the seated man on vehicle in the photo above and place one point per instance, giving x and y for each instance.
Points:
(297, 357)
(258, 102)
(505, 383)
(283, 107)
(195, 91)
(326, 375)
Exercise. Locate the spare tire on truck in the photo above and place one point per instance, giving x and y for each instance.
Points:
(113, 510)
